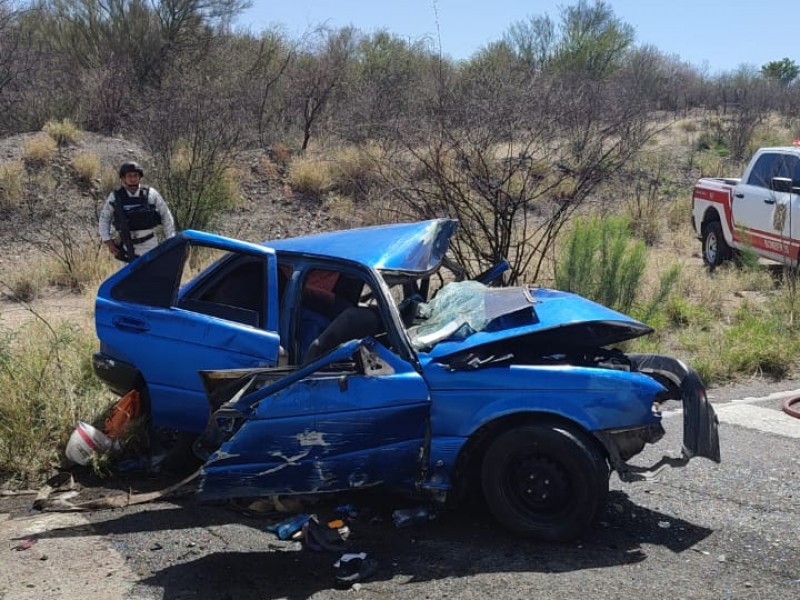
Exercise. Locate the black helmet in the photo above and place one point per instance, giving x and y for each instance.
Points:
(130, 167)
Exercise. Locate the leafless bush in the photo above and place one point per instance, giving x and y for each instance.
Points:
(194, 133)
(514, 178)
(316, 74)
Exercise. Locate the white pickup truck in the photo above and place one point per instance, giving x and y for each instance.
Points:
(760, 211)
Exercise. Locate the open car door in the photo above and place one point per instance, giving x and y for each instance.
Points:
(157, 316)
(356, 417)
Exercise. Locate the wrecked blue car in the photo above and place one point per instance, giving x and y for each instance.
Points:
(354, 359)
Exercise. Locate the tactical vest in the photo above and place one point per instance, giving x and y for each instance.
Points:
(138, 210)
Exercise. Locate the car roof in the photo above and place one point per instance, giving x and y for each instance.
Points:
(402, 247)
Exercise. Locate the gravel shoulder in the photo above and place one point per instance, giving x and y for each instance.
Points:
(77, 565)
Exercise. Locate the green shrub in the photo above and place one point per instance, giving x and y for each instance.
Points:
(681, 313)
(197, 191)
(649, 308)
(48, 385)
(758, 344)
(603, 262)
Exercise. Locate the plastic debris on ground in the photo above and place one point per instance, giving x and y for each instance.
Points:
(26, 544)
(347, 510)
(122, 413)
(149, 464)
(288, 527)
(85, 442)
(325, 537)
(406, 517)
(353, 567)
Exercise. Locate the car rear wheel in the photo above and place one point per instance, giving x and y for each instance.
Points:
(544, 481)
(715, 249)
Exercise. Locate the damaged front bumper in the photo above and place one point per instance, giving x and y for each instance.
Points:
(700, 423)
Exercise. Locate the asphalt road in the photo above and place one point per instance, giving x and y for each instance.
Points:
(703, 532)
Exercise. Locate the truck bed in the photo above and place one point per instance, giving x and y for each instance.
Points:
(717, 183)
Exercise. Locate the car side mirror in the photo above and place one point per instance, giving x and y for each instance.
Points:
(782, 185)
(493, 275)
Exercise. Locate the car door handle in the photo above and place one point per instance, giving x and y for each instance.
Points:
(769, 201)
(739, 195)
(130, 324)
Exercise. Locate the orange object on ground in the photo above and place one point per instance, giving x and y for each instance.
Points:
(124, 411)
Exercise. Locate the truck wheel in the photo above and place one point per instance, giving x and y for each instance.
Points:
(545, 482)
(715, 248)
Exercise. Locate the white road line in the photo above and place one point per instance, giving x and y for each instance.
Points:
(762, 419)
(741, 412)
(773, 396)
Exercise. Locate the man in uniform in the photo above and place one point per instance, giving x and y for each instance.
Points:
(134, 211)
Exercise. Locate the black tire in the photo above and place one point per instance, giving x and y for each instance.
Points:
(715, 248)
(546, 481)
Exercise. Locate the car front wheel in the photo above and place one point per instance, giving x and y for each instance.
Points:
(546, 482)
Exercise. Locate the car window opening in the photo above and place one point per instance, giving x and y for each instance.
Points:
(333, 310)
(235, 293)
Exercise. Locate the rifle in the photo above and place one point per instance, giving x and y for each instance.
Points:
(125, 251)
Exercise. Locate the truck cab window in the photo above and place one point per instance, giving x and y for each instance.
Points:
(763, 171)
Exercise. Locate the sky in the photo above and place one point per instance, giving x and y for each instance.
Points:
(714, 36)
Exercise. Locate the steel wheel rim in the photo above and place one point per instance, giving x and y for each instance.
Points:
(711, 248)
(537, 485)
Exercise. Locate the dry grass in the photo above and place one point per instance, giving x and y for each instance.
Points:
(340, 209)
(39, 150)
(267, 169)
(282, 153)
(311, 175)
(63, 132)
(355, 169)
(77, 265)
(11, 184)
(109, 180)
(86, 266)
(24, 284)
(87, 167)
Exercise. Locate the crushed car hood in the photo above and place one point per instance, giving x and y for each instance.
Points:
(550, 316)
(401, 247)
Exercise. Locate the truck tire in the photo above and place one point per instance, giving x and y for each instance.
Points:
(715, 248)
(544, 481)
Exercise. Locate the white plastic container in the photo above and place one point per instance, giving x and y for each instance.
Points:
(86, 441)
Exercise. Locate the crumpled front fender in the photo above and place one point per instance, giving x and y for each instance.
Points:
(700, 423)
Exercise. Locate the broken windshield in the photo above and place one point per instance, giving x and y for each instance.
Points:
(461, 309)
